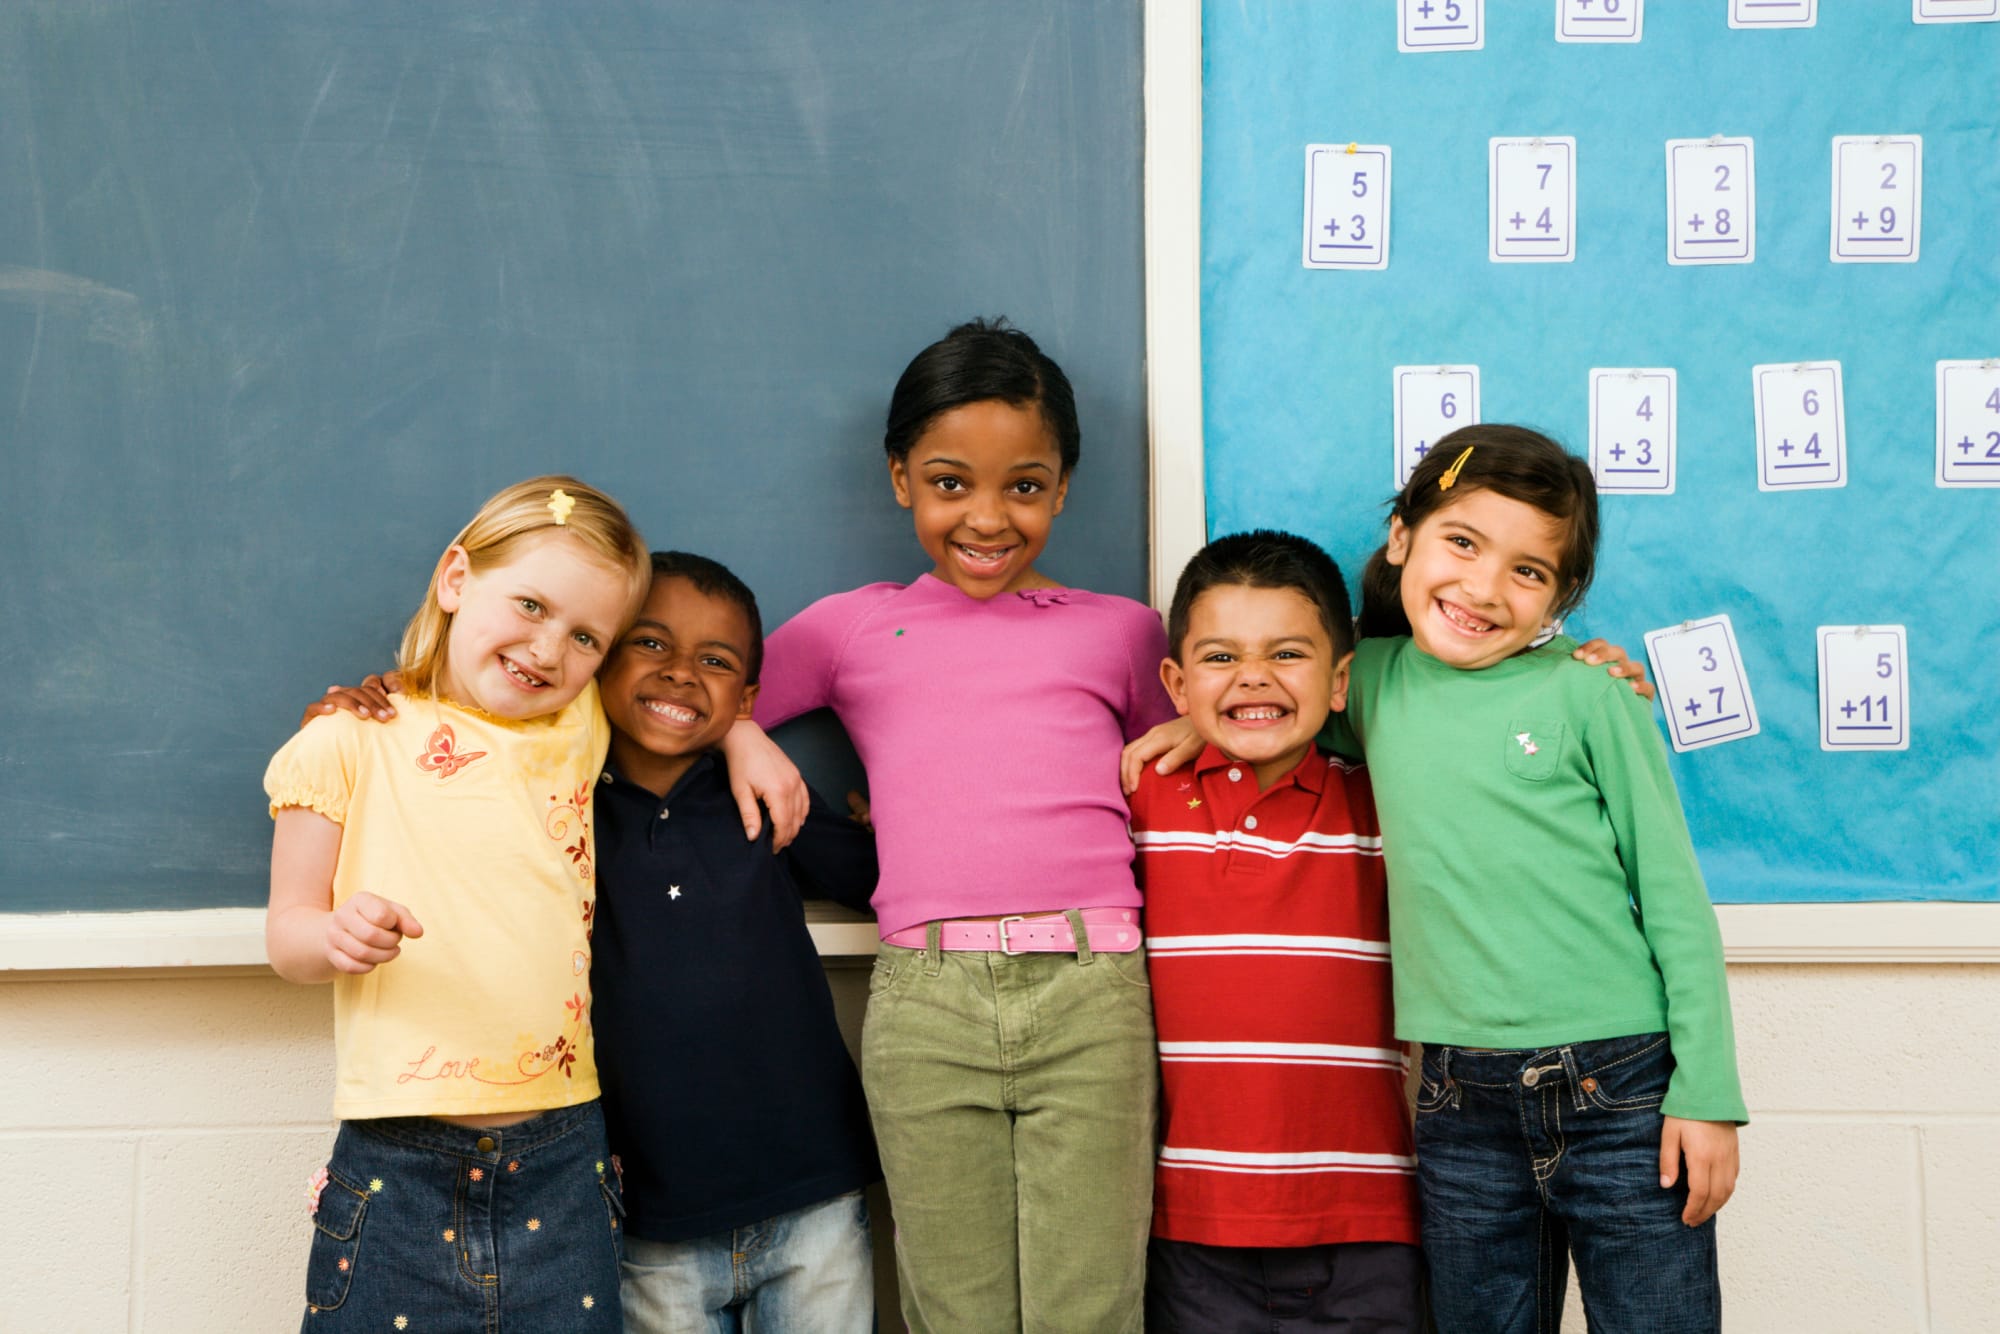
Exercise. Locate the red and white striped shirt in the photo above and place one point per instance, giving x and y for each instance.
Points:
(1284, 1118)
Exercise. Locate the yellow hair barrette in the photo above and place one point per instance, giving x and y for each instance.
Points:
(561, 503)
(1451, 473)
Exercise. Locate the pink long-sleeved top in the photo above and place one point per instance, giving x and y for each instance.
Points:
(990, 731)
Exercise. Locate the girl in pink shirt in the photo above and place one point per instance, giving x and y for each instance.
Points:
(1008, 1046)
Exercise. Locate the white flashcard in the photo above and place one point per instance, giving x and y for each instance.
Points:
(1954, 11)
(1347, 206)
(1711, 201)
(1440, 25)
(1599, 20)
(1531, 200)
(1878, 198)
(1864, 688)
(1968, 423)
(1801, 426)
(1634, 423)
(1431, 402)
(1773, 13)
(1703, 691)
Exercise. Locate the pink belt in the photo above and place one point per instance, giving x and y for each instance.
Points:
(1107, 930)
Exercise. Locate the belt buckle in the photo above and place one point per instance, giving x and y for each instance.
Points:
(1005, 946)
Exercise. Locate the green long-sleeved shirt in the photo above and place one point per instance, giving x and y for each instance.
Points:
(1542, 885)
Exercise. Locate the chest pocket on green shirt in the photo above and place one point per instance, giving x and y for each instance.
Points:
(1534, 747)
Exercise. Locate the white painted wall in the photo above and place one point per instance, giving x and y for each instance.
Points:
(157, 1131)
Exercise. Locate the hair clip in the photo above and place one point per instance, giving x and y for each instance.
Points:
(1451, 473)
(561, 503)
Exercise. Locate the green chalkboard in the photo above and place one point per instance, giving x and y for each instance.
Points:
(288, 286)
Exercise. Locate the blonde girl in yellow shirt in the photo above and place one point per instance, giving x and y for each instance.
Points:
(437, 869)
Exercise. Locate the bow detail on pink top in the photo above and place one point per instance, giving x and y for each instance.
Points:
(1044, 597)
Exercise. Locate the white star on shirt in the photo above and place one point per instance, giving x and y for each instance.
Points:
(673, 891)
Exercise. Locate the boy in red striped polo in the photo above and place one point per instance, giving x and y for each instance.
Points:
(1285, 1194)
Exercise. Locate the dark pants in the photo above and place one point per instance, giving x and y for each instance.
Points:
(1361, 1287)
(1527, 1158)
(428, 1226)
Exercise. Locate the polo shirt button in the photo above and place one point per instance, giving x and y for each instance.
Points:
(1249, 822)
(1235, 775)
(604, 777)
(663, 815)
(486, 1144)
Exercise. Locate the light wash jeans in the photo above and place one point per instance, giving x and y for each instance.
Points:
(806, 1272)
(1014, 1103)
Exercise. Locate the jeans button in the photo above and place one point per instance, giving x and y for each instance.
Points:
(1532, 1077)
(485, 1144)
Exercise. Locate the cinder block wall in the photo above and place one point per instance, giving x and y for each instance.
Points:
(156, 1134)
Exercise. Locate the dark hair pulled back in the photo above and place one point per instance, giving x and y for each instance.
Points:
(1512, 461)
(977, 362)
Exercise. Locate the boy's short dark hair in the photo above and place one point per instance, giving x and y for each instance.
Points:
(1265, 559)
(714, 579)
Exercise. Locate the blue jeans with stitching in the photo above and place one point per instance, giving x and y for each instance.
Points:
(424, 1225)
(1526, 1159)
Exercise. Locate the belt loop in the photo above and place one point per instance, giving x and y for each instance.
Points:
(1577, 1096)
(1081, 932)
(933, 948)
(1444, 1065)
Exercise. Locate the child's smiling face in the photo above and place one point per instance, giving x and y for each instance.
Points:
(984, 482)
(1257, 675)
(1481, 577)
(677, 682)
(527, 634)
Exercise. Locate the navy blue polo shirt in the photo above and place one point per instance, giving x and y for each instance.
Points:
(728, 1092)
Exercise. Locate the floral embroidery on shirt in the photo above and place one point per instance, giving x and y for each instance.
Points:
(571, 820)
(443, 755)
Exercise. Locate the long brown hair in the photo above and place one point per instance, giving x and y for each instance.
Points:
(1512, 461)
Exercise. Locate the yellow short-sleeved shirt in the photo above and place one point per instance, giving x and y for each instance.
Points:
(482, 828)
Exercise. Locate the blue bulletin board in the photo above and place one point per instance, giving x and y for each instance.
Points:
(1297, 370)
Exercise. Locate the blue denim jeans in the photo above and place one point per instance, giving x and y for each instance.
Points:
(810, 1271)
(1527, 1158)
(424, 1225)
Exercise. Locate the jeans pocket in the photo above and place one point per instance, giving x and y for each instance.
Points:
(336, 1243)
(885, 973)
(1128, 967)
(1434, 1091)
(614, 1208)
(1631, 1081)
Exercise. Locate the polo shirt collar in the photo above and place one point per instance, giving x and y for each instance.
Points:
(703, 763)
(1310, 773)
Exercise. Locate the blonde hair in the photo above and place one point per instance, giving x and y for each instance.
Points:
(503, 524)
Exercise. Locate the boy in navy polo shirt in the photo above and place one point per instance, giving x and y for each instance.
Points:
(733, 1108)
(1285, 1195)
